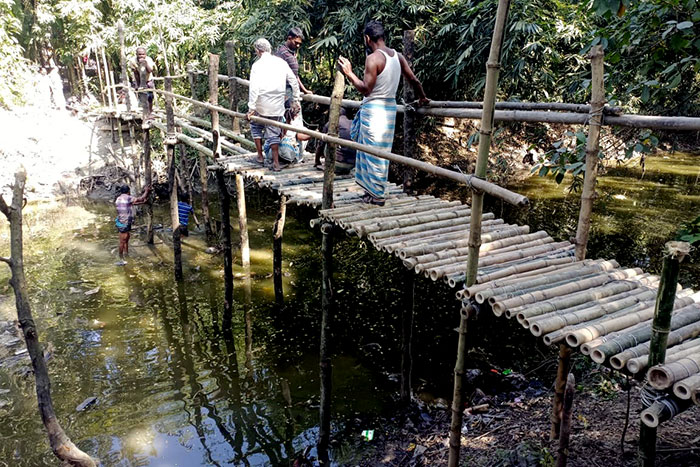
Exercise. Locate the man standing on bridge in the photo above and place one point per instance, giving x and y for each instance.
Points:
(269, 77)
(374, 123)
(288, 53)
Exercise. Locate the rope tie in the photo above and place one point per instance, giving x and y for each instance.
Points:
(649, 395)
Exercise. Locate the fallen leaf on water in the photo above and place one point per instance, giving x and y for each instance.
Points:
(93, 291)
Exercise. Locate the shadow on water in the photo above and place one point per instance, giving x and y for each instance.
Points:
(179, 383)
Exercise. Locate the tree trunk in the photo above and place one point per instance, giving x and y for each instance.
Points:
(61, 445)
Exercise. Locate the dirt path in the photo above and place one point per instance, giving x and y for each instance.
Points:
(56, 148)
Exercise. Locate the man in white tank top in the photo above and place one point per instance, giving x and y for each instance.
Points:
(374, 123)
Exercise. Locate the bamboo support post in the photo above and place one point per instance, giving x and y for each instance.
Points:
(485, 130)
(407, 313)
(232, 84)
(148, 173)
(410, 118)
(565, 429)
(170, 140)
(327, 302)
(243, 223)
(674, 254)
(563, 368)
(225, 200)
(588, 194)
(277, 233)
(214, 100)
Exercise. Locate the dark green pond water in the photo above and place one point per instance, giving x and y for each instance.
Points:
(175, 387)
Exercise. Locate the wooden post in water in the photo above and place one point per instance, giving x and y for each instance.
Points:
(674, 253)
(228, 260)
(170, 142)
(232, 85)
(407, 335)
(148, 174)
(243, 224)
(223, 189)
(277, 232)
(61, 445)
(492, 69)
(327, 275)
(410, 118)
(587, 197)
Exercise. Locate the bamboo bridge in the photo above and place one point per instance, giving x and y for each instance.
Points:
(593, 305)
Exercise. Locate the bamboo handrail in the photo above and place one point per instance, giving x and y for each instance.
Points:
(577, 114)
(470, 180)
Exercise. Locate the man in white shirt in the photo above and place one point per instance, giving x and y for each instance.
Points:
(269, 77)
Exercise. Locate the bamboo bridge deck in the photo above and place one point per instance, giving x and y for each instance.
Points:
(597, 306)
(594, 305)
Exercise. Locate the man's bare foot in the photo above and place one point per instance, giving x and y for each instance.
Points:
(260, 160)
(276, 168)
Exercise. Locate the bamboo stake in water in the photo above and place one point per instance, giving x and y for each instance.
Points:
(170, 140)
(675, 252)
(492, 69)
(327, 286)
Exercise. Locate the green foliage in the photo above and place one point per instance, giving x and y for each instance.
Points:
(14, 69)
(690, 232)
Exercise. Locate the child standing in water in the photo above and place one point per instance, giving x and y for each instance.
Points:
(125, 216)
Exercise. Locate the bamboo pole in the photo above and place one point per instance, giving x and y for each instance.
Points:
(661, 411)
(492, 69)
(226, 231)
(475, 182)
(277, 232)
(407, 313)
(243, 224)
(232, 84)
(99, 77)
(665, 375)
(61, 445)
(327, 303)
(228, 133)
(563, 369)
(588, 194)
(122, 60)
(108, 82)
(514, 112)
(685, 389)
(149, 181)
(214, 100)
(674, 254)
(170, 141)
(565, 429)
(410, 118)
